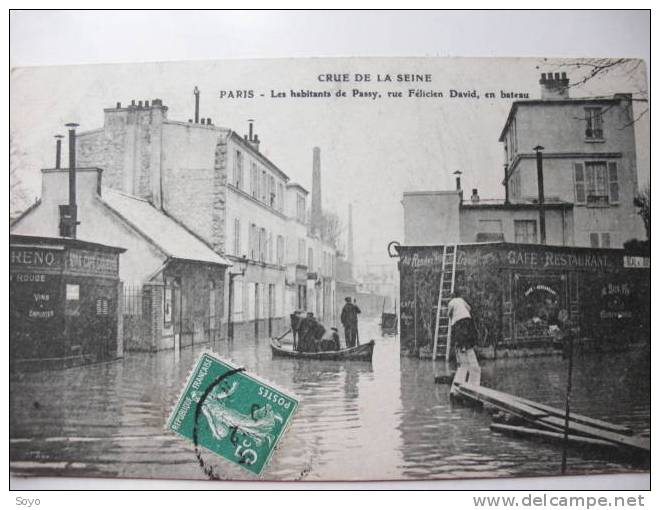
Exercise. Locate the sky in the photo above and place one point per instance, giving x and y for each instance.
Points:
(371, 150)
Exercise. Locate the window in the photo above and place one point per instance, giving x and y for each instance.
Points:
(514, 137)
(254, 180)
(514, 183)
(271, 190)
(237, 237)
(596, 183)
(300, 208)
(280, 196)
(237, 305)
(594, 127)
(310, 258)
(167, 304)
(614, 182)
(72, 292)
(280, 250)
(270, 247)
(525, 231)
(254, 242)
(301, 252)
(262, 245)
(238, 170)
(264, 186)
(102, 306)
(600, 239)
(489, 230)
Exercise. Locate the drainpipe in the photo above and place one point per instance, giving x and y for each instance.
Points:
(539, 177)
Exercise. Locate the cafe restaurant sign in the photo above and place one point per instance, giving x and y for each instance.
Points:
(537, 257)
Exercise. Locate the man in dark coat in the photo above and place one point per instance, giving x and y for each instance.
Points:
(349, 319)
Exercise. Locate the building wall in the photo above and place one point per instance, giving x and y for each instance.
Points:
(559, 223)
(189, 176)
(431, 218)
(127, 148)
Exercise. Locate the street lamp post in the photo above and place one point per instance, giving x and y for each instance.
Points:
(539, 178)
(230, 322)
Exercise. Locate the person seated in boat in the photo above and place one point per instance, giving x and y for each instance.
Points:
(330, 341)
(310, 333)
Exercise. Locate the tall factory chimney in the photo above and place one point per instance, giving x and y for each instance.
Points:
(317, 208)
(196, 93)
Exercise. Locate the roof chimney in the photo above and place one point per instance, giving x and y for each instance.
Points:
(458, 173)
(475, 195)
(69, 212)
(554, 86)
(58, 151)
(251, 137)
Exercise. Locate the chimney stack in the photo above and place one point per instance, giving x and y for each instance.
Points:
(458, 173)
(475, 195)
(317, 207)
(69, 212)
(251, 137)
(58, 151)
(554, 86)
(196, 92)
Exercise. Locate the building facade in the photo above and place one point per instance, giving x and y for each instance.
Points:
(588, 159)
(220, 186)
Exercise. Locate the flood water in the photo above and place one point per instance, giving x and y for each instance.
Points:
(385, 420)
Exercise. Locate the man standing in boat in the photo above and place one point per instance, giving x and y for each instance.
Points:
(349, 319)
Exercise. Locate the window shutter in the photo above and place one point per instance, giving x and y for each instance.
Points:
(579, 184)
(605, 240)
(593, 238)
(614, 182)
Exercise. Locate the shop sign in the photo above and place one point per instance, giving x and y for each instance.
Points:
(636, 262)
(93, 263)
(24, 257)
(548, 259)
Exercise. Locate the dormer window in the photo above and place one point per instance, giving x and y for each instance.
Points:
(594, 123)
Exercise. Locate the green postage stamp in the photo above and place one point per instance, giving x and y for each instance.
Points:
(230, 413)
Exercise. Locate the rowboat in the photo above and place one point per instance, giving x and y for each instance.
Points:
(359, 353)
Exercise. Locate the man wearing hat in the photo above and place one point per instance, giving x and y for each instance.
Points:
(349, 319)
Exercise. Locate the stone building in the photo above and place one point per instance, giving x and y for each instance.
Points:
(222, 188)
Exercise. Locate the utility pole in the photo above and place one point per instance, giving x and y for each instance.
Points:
(539, 179)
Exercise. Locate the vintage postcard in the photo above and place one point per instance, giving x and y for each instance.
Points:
(419, 268)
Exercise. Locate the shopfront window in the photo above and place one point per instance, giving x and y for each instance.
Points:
(538, 300)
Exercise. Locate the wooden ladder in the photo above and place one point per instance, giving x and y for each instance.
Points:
(442, 336)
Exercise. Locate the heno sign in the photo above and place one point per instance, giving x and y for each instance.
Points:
(35, 257)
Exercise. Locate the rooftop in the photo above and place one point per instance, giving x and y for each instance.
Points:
(559, 102)
(172, 238)
(528, 203)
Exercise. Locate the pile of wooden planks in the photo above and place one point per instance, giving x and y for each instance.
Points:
(541, 421)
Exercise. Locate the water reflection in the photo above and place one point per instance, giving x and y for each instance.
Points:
(383, 420)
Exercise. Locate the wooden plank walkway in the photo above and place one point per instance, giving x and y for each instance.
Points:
(545, 421)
